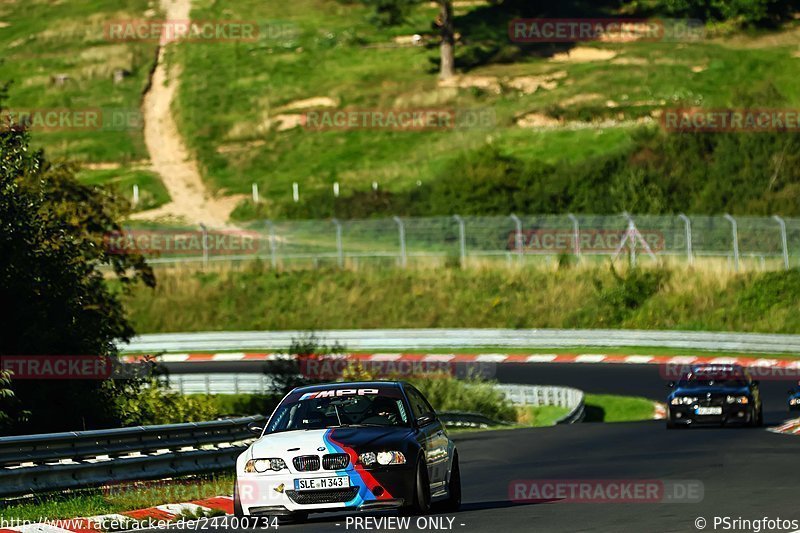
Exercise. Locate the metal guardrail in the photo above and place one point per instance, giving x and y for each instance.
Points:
(408, 339)
(58, 461)
(568, 397)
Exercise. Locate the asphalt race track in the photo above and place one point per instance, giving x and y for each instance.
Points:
(746, 473)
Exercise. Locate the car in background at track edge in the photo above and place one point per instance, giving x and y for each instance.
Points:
(718, 394)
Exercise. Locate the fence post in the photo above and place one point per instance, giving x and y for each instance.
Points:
(204, 232)
(518, 224)
(784, 242)
(339, 250)
(735, 230)
(402, 234)
(272, 256)
(688, 228)
(631, 236)
(462, 239)
(576, 232)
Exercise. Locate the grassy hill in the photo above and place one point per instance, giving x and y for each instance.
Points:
(578, 121)
(58, 57)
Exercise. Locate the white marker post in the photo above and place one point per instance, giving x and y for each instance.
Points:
(336, 189)
(255, 193)
(135, 201)
(295, 192)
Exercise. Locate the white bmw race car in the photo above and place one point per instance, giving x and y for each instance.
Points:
(342, 446)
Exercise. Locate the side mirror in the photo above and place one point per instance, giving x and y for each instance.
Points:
(254, 428)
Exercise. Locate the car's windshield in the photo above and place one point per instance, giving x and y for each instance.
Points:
(712, 376)
(721, 383)
(338, 408)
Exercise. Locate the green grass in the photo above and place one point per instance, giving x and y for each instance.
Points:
(152, 192)
(609, 408)
(116, 498)
(540, 416)
(44, 39)
(257, 298)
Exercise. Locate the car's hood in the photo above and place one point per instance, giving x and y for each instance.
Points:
(309, 442)
(714, 391)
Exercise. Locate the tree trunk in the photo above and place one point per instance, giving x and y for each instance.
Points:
(447, 68)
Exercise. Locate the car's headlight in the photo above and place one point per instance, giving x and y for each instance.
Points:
(263, 465)
(382, 458)
(737, 399)
(682, 400)
(794, 401)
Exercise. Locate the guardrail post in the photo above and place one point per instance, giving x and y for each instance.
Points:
(784, 241)
(273, 259)
(402, 234)
(462, 239)
(339, 249)
(204, 232)
(576, 235)
(518, 225)
(735, 230)
(688, 229)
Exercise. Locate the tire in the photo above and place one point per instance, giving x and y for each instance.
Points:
(237, 502)
(422, 489)
(453, 501)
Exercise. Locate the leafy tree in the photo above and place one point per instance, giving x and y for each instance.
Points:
(389, 12)
(52, 256)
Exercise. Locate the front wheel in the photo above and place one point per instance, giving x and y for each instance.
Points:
(453, 501)
(237, 502)
(759, 418)
(422, 489)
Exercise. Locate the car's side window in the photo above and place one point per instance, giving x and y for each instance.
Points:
(419, 406)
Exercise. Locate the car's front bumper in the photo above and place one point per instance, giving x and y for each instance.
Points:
(275, 494)
(731, 414)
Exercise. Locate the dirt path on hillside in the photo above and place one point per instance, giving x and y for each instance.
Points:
(190, 201)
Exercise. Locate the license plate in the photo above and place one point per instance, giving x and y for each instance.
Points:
(320, 483)
(708, 411)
